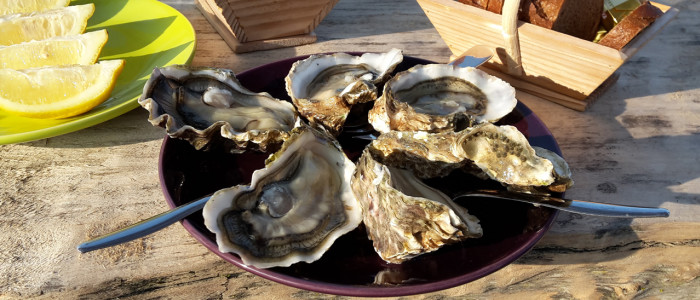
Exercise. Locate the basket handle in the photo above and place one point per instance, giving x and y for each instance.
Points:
(509, 22)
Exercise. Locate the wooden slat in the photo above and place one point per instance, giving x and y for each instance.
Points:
(248, 8)
(284, 27)
(215, 15)
(568, 66)
(302, 14)
(526, 90)
(261, 20)
(637, 146)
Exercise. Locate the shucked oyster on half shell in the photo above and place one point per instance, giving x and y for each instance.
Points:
(293, 209)
(403, 216)
(501, 153)
(325, 87)
(201, 104)
(438, 97)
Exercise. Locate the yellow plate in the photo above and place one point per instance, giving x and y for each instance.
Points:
(145, 33)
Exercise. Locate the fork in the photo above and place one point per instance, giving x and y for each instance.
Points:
(167, 218)
(573, 206)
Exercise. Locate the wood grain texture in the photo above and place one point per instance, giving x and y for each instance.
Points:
(511, 41)
(637, 145)
(568, 66)
(215, 15)
(263, 20)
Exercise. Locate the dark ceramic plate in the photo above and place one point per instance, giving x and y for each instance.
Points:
(351, 267)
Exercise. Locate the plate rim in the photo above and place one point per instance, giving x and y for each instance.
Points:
(365, 290)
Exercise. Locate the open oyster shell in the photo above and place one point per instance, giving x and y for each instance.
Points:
(403, 216)
(501, 153)
(202, 105)
(293, 209)
(428, 155)
(562, 173)
(438, 98)
(325, 87)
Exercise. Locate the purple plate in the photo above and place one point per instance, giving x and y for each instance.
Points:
(351, 267)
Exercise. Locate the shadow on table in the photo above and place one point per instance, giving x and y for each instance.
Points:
(649, 183)
(344, 22)
(650, 166)
(663, 168)
(669, 62)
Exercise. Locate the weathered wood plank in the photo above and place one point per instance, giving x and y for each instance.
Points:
(636, 145)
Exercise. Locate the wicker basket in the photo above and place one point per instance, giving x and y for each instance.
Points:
(540, 62)
(251, 25)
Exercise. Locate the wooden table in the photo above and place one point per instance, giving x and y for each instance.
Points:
(637, 145)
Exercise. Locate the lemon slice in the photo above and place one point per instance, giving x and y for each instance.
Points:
(18, 28)
(57, 92)
(24, 6)
(82, 49)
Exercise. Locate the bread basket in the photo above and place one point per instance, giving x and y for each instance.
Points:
(538, 62)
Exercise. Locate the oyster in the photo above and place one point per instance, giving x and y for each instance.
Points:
(403, 216)
(428, 155)
(562, 173)
(202, 105)
(325, 87)
(438, 98)
(501, 153)
(293, 209)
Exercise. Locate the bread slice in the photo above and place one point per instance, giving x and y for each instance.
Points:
(579, 18)
(477, 3)
(631, 25)
(495, 6)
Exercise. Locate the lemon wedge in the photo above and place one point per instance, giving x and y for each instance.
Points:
(57, 92)
(18, 28)
(82, 49)
(24, 6)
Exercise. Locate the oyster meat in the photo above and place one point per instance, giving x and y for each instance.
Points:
(202, 105)
(403, 216)
(501, 153)
(293, 209)
(438, 98)
(325, 87)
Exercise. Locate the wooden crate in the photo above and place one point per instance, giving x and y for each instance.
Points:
(555, 66)
(251, 25)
